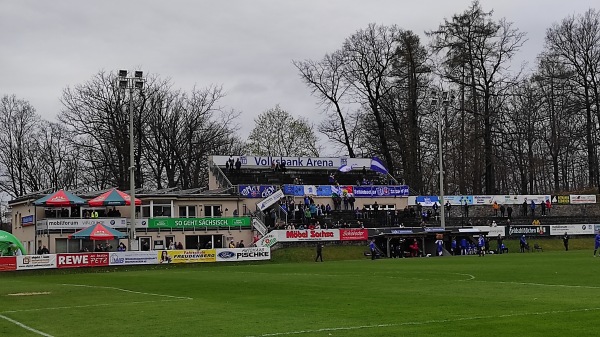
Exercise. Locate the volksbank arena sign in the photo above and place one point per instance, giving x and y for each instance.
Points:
(243, 221)
(295, 162)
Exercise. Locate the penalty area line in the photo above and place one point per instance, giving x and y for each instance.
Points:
(26, 327)
(435, 321)
(86, 306)
(127, 291)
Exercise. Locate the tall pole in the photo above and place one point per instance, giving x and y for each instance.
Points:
(131, 172)
(441, 164)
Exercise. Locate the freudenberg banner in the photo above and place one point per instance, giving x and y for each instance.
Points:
(186, 256)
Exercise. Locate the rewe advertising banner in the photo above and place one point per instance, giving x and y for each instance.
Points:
(77, 260)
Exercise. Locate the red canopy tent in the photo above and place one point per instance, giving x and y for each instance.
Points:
(114, 197)
(98, 232)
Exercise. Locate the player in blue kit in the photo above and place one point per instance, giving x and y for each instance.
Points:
(597, 243)
(481, 246)
(440, 246)
(463, 246)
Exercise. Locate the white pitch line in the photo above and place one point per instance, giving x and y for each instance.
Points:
(437, 321)
(127, 291)
(86, 306)
(25, 326)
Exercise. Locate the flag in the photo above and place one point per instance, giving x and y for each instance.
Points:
(345, 168)
(377, 166)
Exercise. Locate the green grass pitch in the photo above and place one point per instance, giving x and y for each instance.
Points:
(553, 293)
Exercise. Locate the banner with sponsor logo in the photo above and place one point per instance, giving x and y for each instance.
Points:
(354, 234)
(190, 223)
(27, 220)
(583, 199)
(528, 230)
(133, 257)
(243, 254)
(561, 199)
(268, 240)
(309, 235)
(270, 200)
(257, 191)
(26, 262)
(582, 229)
(492, 231)
(428, 201)
(186, 256)
(290, 162)
(67, 223)
(381, 191)
(8, 263)
(77, 260)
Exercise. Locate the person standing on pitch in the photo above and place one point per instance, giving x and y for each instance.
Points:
(374, 252)
(319, 252)
(481, 245)
(597, 245)
(440, 246)
(566, 241)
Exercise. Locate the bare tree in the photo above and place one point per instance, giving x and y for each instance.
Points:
(278, 133)
(18, 125)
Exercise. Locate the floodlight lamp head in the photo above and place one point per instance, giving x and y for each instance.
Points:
(138, 74)
(122, 73)
(122, 84)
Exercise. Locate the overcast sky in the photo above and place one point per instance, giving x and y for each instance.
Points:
(244, 45)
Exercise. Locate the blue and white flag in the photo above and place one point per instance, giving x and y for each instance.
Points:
(345, 168)
(377, 166)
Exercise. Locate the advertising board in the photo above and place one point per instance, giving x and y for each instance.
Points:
(582, 229)
(528, 230)
(8, 263)
(77, 260)
(354, 234)
(26, 262)
(131, 258)
(243, 254)
(186, 256)
(190, 223)
(583, 199)
(309, 235)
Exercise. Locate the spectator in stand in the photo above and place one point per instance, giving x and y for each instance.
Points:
(543, 207)
(307, 215)
(351, 201)
(179, 245)
(448, 207)
(121, 247)
(238, 165)
(45, 250)
(509, 211)
(548, 206)
(332, 179)
(241, 244)
(282, 166)
(328, 209)
(502, 210)
(345, 199)
(524, 208)
(231, 244)
(495, 208)
(435, 208)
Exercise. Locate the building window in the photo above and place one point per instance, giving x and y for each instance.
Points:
(212, 210)
(187, 211)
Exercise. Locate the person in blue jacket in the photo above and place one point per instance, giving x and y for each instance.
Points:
(373, 249)
(597, 243)
(453, 246)
(523, 243)
(481, 246)
(463, 246)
